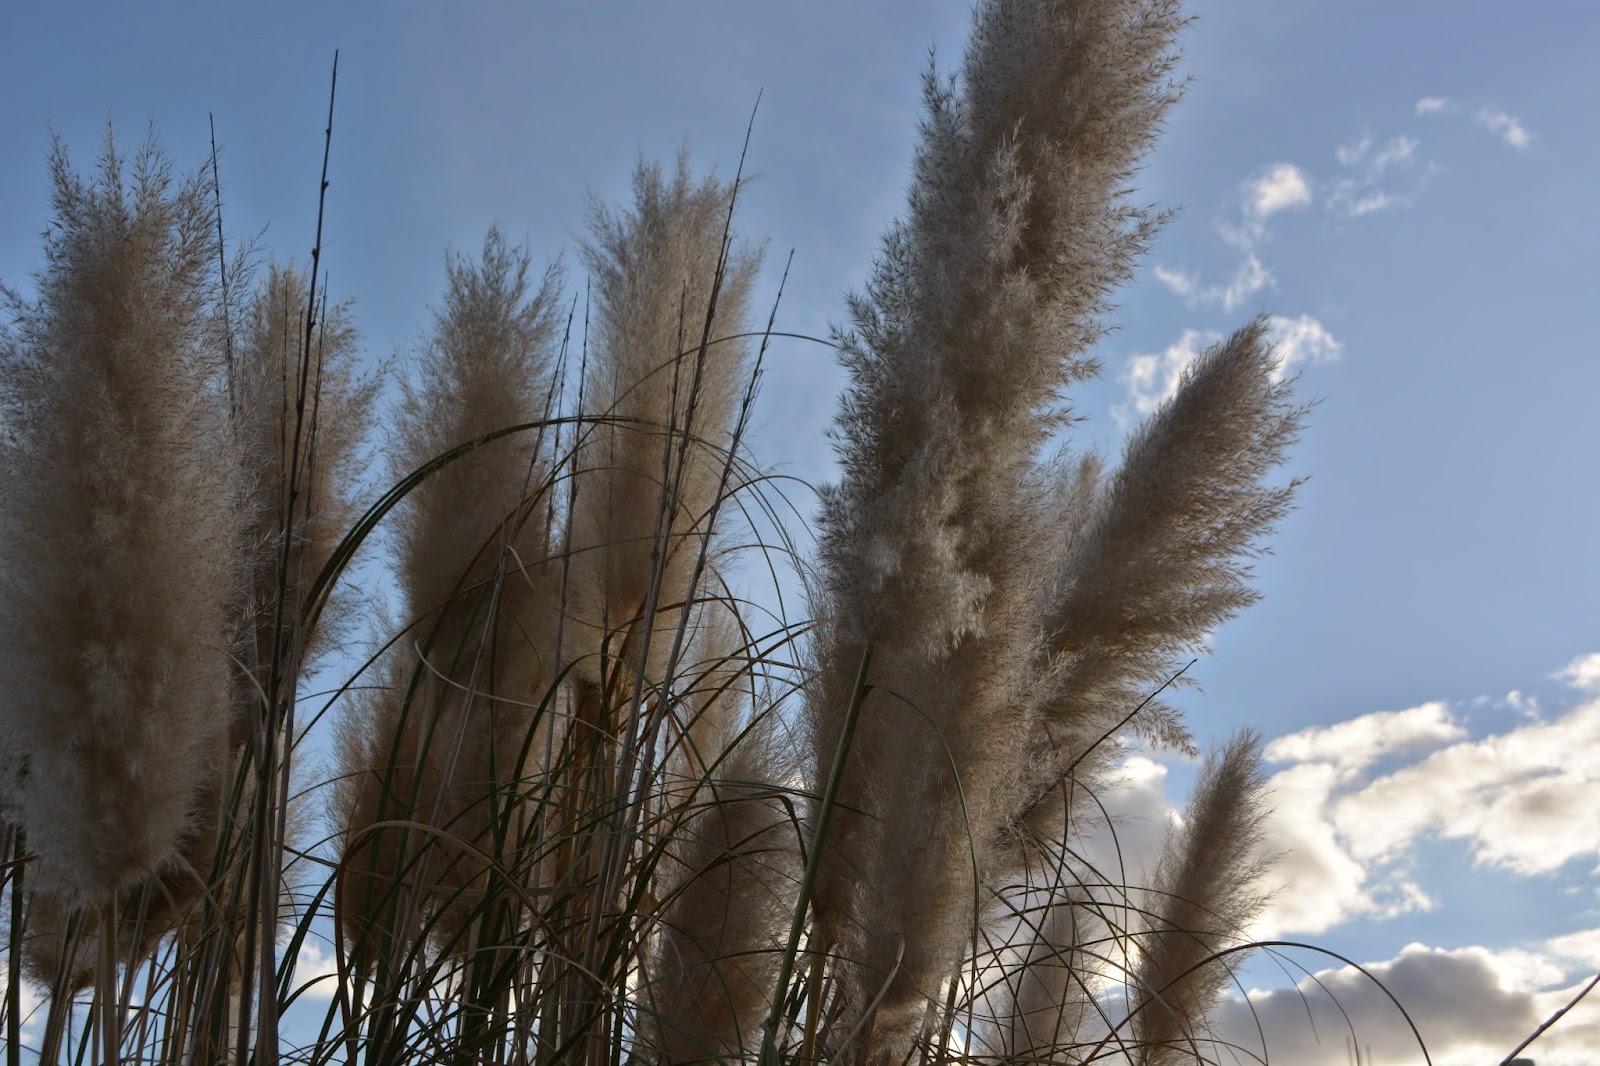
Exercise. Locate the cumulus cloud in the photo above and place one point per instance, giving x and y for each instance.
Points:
(1521, 800)
(1582, 947)
(1140, 811)
(1351, 746)
(1470, 1005)
(1509, 128)
(1433, 105)
(32, 1011)
(316, 971)
(1351, 801)
(1282, 186)
(1582, 672)
(1358, 796)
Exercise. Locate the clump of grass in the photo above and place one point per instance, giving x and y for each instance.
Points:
(587, 809)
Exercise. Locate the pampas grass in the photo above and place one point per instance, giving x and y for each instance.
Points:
(121, 529)
(585, 808)
(446, 724)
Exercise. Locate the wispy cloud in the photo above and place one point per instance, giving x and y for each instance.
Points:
(1249, 278)
(1369, 168)
(1278, 188)
(1301, 341)
(1509, 128)
(1152, 378)
(1506, 126)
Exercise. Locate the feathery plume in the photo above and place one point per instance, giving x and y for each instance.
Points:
(342, 403)
(979, 314)
(473, 551)
(666, 371)
(727, 880)
(1205, 893)
(1157, 560)
(121, 529)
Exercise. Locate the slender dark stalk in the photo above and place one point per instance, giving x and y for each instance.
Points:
(819, 838)
(222, 267)
(18, 862)
(1548, 1022)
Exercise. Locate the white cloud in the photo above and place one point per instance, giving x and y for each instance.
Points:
(1520, 799)
(1283, 186)
(1301, 340)
(1249, 279)
(1582, 947)
(30, 1000)
(1355, 204)
(1582, 672)
(1432, 105)
(1152, 378)
(1395, 150)
(1349, 805)
(1354, 744)
(1347, 819)
(1325, 882)
(1278, 188)
(1320, 884)
(1140, 812)
(1509, 127)
(316, 971)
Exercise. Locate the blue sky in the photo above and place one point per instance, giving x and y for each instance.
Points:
(1409, 188)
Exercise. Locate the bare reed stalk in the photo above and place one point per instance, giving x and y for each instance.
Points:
(122, 533)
